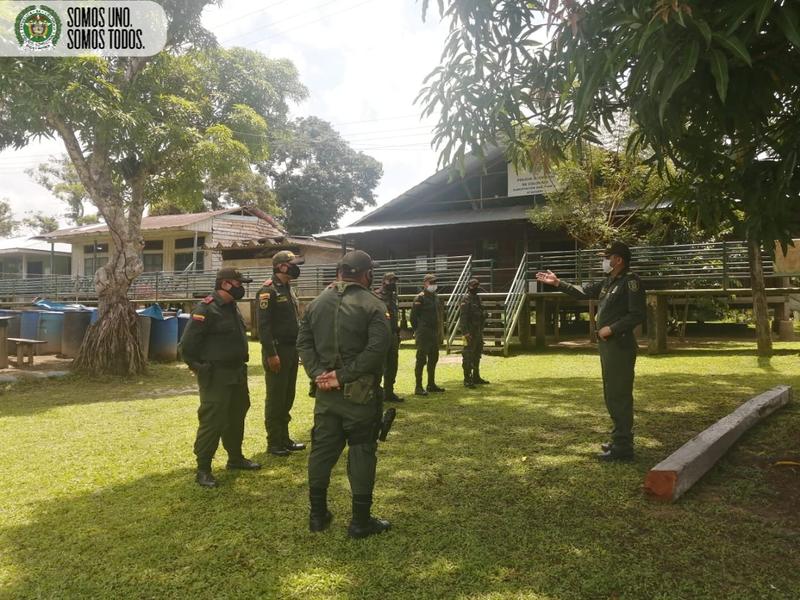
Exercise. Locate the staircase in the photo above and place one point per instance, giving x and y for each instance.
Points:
(493, 326)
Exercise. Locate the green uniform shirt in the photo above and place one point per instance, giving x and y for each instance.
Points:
(389, 298)
(425, 312)
(216, 335)
(345, 328)
(622, 303)
(471, 318)
(277, 315)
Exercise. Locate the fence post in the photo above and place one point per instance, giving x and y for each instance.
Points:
(724, 265)
(156, 292)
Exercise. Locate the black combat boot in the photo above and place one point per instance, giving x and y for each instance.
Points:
(419, 390)
(432, 387)
(205, 479)
(390, 396)
(319, 519)
(468, 379)
(363, 524)
(477, 379)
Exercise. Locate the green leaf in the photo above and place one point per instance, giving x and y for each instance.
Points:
(653, 26)
(704, 30)
(719, 69)
(677, 77)
(735, 46)
(787, 25)
(762, 12)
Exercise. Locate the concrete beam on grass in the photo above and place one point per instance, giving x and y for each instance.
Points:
(670, 478)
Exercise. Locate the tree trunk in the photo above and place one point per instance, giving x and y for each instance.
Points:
(111, 346)
(760, 310)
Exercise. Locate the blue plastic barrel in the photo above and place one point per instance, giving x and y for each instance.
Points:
(13, 327)
(75, 325)
(29, 324)
(95, 315)
(164, 339)
(51, 330)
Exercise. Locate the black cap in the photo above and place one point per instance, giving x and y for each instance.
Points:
(390, 276)
(473, 283)
(429, 277)
(355, 262)
(620, 249)
(232, 274)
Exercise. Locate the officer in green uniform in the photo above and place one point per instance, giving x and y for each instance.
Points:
(214, 345)
(343, 340)
(388, 294)
(471, 325)
(620, 310)
(277, 330)
(426, 321)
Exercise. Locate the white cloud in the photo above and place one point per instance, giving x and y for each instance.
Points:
(362, 60)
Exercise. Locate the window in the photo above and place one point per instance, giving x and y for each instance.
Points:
(183, 243)
(421, 264)
(153, 262)
(90, 249)
(184, 259)
(90, 266)
(153, 245)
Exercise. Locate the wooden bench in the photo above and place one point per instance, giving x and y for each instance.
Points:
(27, 348)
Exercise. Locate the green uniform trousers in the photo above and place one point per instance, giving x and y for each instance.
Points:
(617, 362)
(280, 396)
(338, 422)
(471, 355)
(224, 402)
(427, 354)
(390, 367)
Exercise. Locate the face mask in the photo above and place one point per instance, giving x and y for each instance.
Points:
(237, 292)
(294, 271)
(607, 265)
(390, 287)
(431, 288)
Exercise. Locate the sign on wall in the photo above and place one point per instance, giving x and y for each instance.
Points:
(789, 263)
(526, 183)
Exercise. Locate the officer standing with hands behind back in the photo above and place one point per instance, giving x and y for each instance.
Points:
(214, 345)
(277, 329)
(343, 340)
(620, 310)
(426, 320)
(470, 323)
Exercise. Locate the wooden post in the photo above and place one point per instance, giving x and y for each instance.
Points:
(557, 323)
(656, 324)
(4, 343)
(592, 321)
(524, 324)
(541, 323)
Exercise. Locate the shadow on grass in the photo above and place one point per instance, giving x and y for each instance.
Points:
(490, 491)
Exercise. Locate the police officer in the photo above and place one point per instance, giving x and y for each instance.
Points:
(388, 294)
(214, 345)
(620, 310)
(343, 340)
(471, 325)
(277, 330)
(426, 321)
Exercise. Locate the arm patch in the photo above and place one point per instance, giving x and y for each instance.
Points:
(633, 285)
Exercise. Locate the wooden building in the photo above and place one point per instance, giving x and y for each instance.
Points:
(27, 257)
(483, 213)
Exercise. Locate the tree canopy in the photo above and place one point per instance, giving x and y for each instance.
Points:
(712, 87)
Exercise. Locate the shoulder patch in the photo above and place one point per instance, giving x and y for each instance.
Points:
(207, 300)
(197, 317)
(633, 284)
(263, 295)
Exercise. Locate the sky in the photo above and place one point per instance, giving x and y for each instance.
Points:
(363, 62)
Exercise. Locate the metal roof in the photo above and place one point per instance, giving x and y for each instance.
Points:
(29, 244)
(486, 215)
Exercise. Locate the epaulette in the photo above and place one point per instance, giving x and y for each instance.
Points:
(207, 300)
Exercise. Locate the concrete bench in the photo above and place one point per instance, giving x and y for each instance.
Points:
(27, 348)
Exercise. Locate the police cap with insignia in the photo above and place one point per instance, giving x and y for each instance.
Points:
(231, 274)
(390, 276)
(619, 249)
(287, 257)
(429, 278)
(355, 262)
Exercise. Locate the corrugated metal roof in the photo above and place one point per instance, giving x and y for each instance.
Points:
(162, 222)
(487, 215)
(22, 244)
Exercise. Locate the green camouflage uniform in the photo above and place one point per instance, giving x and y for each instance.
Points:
(471, 323)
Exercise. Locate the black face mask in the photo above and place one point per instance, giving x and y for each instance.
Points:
(293, 272)
(237, 292)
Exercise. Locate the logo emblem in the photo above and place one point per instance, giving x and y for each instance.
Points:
(37, 28)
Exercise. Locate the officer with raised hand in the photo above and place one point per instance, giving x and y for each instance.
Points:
(214, 345)
(277, 329)
(343, 340)
(620, 310)
(388, 294)
(426, 321)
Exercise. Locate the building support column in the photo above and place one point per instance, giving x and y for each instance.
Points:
(524, 324)
(656, 324)
(541, 323)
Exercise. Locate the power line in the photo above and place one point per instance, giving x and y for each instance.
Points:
(260, 10)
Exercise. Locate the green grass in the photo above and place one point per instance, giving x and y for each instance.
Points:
(493, 493)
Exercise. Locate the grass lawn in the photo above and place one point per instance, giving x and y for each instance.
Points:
(493, 493)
